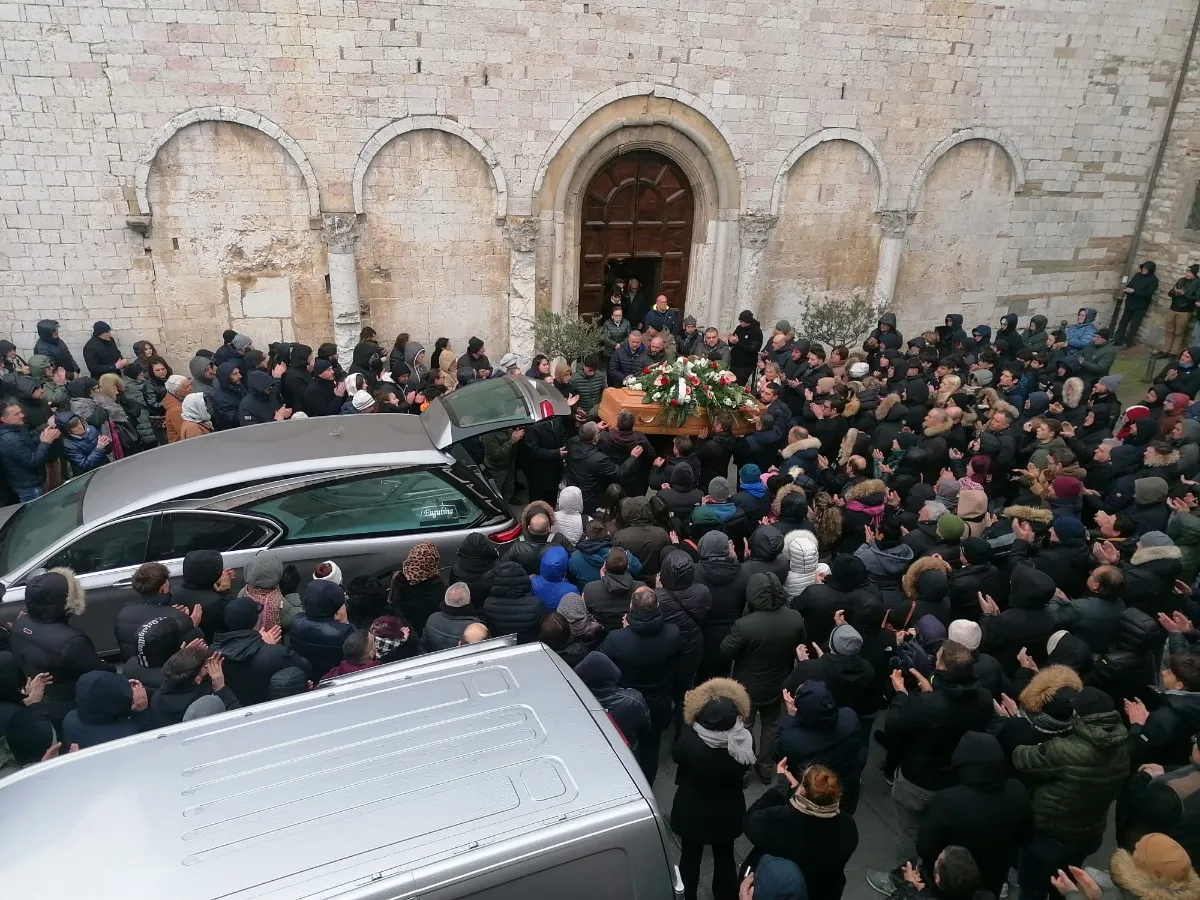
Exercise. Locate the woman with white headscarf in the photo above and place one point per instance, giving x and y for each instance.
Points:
(196, 419)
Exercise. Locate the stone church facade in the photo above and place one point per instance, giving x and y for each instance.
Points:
(301, 168)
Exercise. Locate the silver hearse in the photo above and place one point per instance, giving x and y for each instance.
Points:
(360, 490)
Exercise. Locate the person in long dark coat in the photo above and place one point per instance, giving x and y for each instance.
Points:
(713, 751)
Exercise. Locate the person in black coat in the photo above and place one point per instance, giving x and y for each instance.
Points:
(685, 605)
(206, 583)
(541, 459)
(323, 394)
(43, 641)
(851, 679)
(1027, 622)
(608, 597)
(152, 581)
(101, 353)
(1095, 616)
(681, 496)
(297, 377)
(647, 651)
(715, 451)
(976, 576)
(191, 673)
(805, 824)
(762, 645)
(845, 587)
(987, 812)
(474, 565)
(251, 657)
(744, 344)
(51, 345)
(922, 731)
(766, 553)
(1066, 558)
(626, 706)
(108, 707)
(317, 634)
(592, 470)
(261, 403)
(712, 752)
(511, 607)
(718, 569)
(815, 731)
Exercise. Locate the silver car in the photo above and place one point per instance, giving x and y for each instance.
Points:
(359, 490)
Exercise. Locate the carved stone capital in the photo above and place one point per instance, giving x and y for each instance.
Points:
(521, 232)
(339, 231)
(894, 222)
(754, 229)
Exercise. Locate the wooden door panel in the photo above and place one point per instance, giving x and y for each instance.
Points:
(639, 205)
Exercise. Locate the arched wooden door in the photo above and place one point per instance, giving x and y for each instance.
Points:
(637, 221)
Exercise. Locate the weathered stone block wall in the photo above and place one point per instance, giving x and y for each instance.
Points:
(1165, 239)
(1075, 93)
(827, 241)
(231, 245)
(954, 250)
(433, 260)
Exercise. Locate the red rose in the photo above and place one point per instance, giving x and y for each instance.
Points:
(646, 371)
(674, 402)
(713, 363)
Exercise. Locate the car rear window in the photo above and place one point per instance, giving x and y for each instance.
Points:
(494, 400)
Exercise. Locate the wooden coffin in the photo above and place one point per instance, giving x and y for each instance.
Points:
(617, 399)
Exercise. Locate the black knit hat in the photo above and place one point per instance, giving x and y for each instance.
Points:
(1092, 701)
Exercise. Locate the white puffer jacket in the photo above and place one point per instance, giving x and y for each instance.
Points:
(800, 547)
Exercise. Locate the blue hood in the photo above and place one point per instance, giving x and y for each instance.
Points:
(554, 564)
(1037, 403)
(1089, 315)
(984, 331)
(594, 550)
(597, 671)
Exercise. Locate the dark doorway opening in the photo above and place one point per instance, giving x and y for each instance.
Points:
(637, 216)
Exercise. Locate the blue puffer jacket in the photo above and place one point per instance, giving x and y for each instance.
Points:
(22, 455)
(1080, 336)
(588, 556)
(316, 635)
(83, 451)
(626, 362)
(550, 584)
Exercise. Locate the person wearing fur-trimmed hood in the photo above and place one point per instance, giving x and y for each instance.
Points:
(713, 752)
(42, 640)
(1157, 869)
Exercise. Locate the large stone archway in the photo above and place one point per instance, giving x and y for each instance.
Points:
(665, 125)
(637, 218)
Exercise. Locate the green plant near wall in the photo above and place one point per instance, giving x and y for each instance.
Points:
(840, 320)
(565, 335)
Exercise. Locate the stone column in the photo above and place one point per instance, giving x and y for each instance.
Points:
(339, 229)
(521, 232)
(891, 248)
(754, 233)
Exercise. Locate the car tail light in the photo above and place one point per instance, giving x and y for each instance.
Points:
(508, 534)
(547, 409)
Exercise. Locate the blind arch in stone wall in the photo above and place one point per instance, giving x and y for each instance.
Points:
(395, 129)
(223, 114)
(433, 261)
(955, 248)
(232, 245)
(826, 242)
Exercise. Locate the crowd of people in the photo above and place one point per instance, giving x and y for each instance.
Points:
(958, 546)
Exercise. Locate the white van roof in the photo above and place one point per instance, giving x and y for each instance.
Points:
(364, 782)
